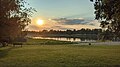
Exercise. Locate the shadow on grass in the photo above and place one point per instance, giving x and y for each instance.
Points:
(5, 50)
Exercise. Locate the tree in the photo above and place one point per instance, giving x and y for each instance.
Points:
(108, 13)
(14, 17)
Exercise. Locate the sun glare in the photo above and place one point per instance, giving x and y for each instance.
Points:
(40, 22)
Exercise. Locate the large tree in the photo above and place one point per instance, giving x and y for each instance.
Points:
(14, 17)
(108, 13)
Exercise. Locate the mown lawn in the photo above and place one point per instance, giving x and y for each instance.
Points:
(60, 56)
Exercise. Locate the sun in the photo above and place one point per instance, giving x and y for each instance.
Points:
(40, 22)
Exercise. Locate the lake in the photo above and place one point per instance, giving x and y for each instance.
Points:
(67, 39)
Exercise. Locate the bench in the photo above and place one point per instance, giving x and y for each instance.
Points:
(17, 43)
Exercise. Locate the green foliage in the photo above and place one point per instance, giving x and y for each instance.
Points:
(14, 17)
(108, 12)
(60, 56)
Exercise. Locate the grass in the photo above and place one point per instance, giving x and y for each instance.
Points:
(60, 56)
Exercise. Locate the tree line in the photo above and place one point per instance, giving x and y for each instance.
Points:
(69, 32)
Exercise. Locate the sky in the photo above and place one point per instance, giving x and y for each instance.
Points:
(63, 14)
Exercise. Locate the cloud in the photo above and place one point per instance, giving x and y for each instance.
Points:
(66, 21)
(78, 21)
(61, 27)
(94, 23)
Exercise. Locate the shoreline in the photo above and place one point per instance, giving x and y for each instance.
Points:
(99, 43)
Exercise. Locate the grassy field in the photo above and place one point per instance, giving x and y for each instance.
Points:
(60, 55)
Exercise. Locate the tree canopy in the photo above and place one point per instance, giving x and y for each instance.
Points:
(14, 17)
(108, 13)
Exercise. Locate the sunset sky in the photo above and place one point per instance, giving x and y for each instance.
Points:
(62, 14)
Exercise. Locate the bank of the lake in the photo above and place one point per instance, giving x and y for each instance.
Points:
(31, 41)
(77, 41)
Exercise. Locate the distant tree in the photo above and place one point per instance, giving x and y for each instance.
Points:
(83, 31)
(108, 12)
(51, 31)
(74, 31)
(69, 32)
(14, 17)
(44, 31)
